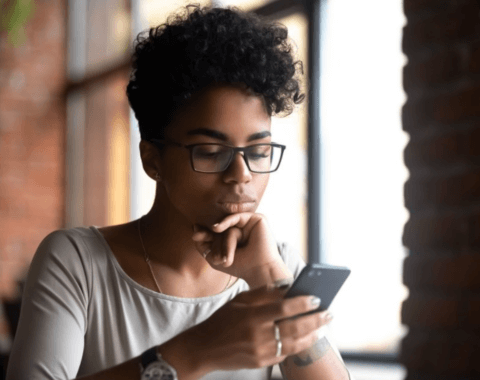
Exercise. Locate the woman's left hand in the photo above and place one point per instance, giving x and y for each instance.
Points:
(238, 244)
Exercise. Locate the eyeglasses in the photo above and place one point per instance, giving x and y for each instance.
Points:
(216, 158)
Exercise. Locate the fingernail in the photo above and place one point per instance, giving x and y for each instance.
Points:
(315, 302)
(224, 259)
(328, 317)
(215, 225)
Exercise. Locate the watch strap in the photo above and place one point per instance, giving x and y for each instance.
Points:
(148, 357)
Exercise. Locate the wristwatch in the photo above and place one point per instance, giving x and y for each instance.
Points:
(153, 367)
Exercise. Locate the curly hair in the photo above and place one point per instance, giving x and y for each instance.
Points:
(192, 51)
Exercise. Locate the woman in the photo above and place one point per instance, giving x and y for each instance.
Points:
(194, 289)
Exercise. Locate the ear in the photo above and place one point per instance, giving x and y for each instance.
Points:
(151, 160)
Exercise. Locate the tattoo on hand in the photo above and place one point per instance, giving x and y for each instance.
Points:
(304, 358)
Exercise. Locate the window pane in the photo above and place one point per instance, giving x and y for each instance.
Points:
(362, 170)
(243, 4)
(156, 12)
(106, 154)
(288, 185)
(108, 33)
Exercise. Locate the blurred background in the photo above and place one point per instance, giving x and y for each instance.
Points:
(69, 146)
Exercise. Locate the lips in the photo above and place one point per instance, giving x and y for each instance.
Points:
(237, 199)
(236, 202)
(236, 207)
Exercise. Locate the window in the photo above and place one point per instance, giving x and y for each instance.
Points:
(289, 184)
(97, 112)
(362, 172)
(362, 212)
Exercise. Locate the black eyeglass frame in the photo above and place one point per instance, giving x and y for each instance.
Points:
(235, 150)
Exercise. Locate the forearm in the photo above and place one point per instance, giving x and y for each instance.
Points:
(319, 362)
(129, 370)
(177, 352)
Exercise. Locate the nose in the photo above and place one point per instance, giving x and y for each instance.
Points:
(238, 171)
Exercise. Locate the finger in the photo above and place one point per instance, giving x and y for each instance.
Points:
(295, 346)
(202, 236)
(239, 220)
(216, 256)
(262, 295)
(288, 307)
(304, 325)
(204, 248)
(229, 245)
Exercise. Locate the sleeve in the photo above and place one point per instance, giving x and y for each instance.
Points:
(49, 341)
(296, 263)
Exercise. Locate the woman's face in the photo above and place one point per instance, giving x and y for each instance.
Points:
(220, 114)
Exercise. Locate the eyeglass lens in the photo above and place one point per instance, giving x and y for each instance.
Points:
(215, 158)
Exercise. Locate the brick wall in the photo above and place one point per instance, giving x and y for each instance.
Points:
(442, 116)
(32, 133)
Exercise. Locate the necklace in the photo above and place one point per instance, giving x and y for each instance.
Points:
(147, 259)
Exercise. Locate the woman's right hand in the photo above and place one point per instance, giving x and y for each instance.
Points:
(241, 333)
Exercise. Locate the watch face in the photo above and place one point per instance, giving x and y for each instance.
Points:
(158, 371)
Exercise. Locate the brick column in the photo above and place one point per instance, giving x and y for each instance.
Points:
(32, 133)
(442, 116)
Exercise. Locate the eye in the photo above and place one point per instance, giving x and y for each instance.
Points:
(209, 151)
(259, 152)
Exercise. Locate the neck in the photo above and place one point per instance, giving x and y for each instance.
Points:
(167, 236)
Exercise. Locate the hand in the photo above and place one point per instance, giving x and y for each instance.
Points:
(241, 333)
(238, 244)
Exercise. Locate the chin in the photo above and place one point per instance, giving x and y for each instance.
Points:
(215, 213)
(210, 217)
(207, 220)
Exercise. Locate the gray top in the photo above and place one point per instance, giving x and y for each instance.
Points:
(81, 313)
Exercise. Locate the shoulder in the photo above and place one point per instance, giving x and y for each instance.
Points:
(66, 242)
(65, 237)
(64, 250)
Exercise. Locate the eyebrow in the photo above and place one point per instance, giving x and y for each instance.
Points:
(221, 136)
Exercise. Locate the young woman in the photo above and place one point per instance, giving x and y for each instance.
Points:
(193, 289)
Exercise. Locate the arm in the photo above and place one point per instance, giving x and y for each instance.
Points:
(319, 362)
(176, 352)
(50, 339)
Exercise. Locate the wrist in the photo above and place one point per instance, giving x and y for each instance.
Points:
(268, 274)
(181, 354)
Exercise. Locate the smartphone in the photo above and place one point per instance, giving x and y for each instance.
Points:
(321, 280)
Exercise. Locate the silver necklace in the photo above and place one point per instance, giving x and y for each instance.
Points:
(147, 259)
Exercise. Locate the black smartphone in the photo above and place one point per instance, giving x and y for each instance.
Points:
(321, 280)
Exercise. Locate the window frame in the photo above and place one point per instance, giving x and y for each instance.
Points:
(313, 11)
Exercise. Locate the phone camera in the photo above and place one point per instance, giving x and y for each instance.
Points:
(311, 273)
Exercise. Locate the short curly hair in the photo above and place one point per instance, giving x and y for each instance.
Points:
(203, 47)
